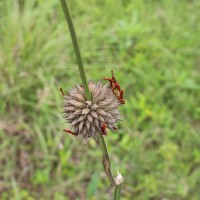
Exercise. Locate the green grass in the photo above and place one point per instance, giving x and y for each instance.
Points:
(154, 48)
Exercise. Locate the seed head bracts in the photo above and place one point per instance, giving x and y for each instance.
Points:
(88, 117)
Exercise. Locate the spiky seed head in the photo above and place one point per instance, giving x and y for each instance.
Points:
(86, 117)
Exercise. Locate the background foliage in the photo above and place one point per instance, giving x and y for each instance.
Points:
(154, 48)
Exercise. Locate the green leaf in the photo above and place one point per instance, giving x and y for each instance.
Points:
(92, 186)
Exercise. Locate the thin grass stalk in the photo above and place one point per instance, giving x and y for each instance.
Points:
(117, 192)
(76, 48)
(107, 168)
(106, 160)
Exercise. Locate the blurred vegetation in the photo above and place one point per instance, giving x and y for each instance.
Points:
(154, 48)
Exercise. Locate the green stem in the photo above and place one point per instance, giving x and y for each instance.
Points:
(76, 48)
(117, 192)
(106, 160)
(107, 167)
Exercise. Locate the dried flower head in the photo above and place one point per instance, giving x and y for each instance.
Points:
(87, 118)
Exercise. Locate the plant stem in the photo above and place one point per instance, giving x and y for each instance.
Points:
(106, 160)
(76, 48)
(107, 167)
(117, 192)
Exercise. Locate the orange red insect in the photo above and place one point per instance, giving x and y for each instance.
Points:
(116, 89)
(103, 128)
(70, 132)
